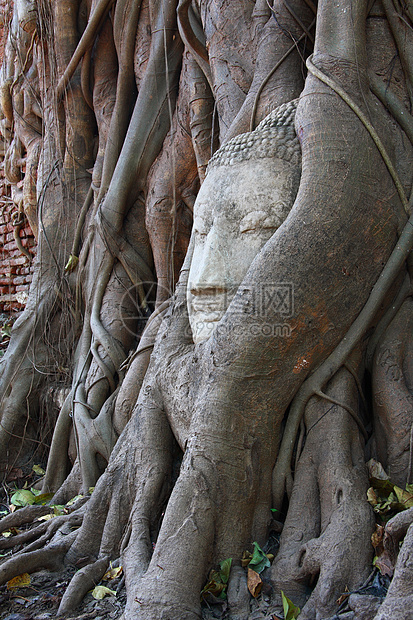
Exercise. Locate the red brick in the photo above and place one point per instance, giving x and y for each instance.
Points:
(21, 260)
(7, 298)
(10, 246)
(14, 253)
(17, 280)
(7, 269)
(28, 242)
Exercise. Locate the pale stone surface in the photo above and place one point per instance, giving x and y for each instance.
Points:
(247, 194)
(27, 14)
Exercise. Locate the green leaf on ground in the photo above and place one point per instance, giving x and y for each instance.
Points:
(38, 470)
(43, 498)
(404, 497)
(291, 611)
(6, 331)
(225, 569)
(74, 499)
(112, 573)
(22, 497)
(259, 560)
(218, 581)
(101, 591)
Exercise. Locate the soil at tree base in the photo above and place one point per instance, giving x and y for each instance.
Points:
(41, 599)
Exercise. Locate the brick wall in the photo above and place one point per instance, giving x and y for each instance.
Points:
(16, 269)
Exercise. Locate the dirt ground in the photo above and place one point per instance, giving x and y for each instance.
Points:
(40, 600)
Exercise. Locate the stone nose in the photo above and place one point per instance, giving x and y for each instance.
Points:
(209, 269)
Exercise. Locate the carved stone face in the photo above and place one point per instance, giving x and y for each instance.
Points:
(238, 208)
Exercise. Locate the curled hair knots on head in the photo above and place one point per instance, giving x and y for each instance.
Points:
(274, 137)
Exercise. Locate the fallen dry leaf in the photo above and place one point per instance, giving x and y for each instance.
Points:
(377, 537)
(343, 598)
(254, 582)
(112, 573)
(385, 564)
(46, 517)
(21, 581)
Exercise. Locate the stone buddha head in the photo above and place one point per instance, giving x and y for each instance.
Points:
(249, 189)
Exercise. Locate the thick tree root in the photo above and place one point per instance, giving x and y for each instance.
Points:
(392, 379)
(83, 581)
(398, 526)
(50, 558)
(51, 541)
(28, 514)
(24, 537)
(399, 600)
(326, 538)
(238, 594)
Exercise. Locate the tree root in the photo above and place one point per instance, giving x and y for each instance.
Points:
(238, 594)
(24, 537)
(85, 43)
(57, 464)
(399, 600)
(125, 86)
(282, 473)
(50, 558)
(315, 383)
(23, 516)
(392, 376)
(193, 37)
(42, 533)
(83, 581)
(329, 521)
(398, 526)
